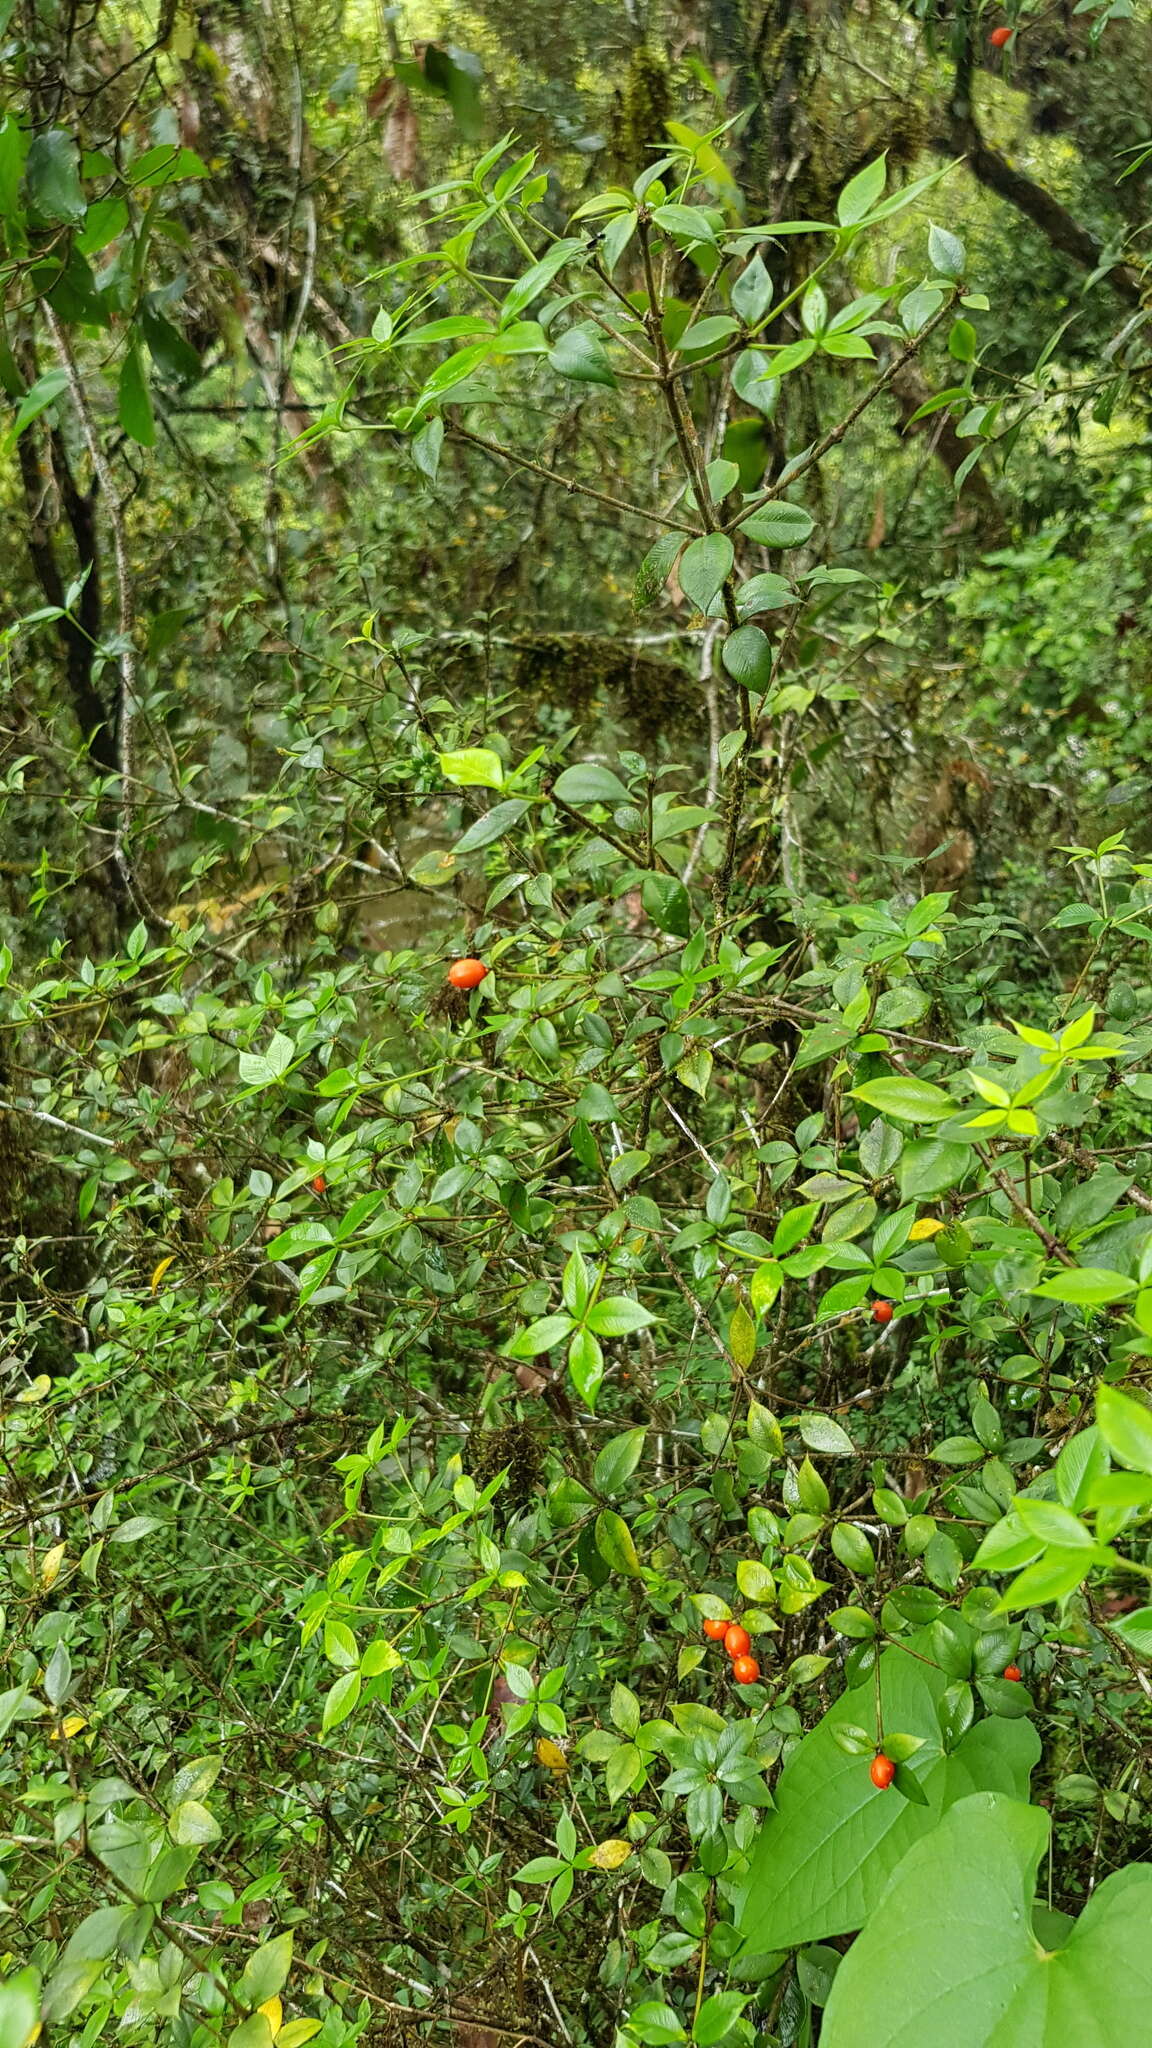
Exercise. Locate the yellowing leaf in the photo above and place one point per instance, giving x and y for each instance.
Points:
(551, 1756)
(40, 1386)
(69, 1726)
(924, 1226)
(273, 2012)
(610, 1855)
(50, 1569)
(160, 1270)
(742, 1336)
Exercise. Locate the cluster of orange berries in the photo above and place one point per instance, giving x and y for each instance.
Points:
(738, 1643)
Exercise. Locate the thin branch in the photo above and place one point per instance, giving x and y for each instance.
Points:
(125, 605)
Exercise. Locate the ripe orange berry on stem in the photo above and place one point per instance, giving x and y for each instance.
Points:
(716, 1630)
(882, 1771)
(1012, 1671)
(999, 37)
(882, 1311)
(318, 1184)
(467, 973)
(745, 1670)
(737, 1640)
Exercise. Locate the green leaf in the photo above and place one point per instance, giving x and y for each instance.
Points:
(19, 2008)
(654, 570)
(665, 901)
(946, 252)
(618, 1316)
(825, 1856)
(266, 1971)
(134, 406)
(191, 1825)
(341, 1700)
(490, 827)
(52, 177)
(166, 164)
(990, 1984)
(473, 768)
(1086, 1286)
(752, 292)
(579, 354)
(1126, 1427)
(820, 1433)
(703, 567)
(913, 1102)
(618, 1460)
(861, 193)
(747, 656)
(614, 1542)
(589, 784)
(778, 525)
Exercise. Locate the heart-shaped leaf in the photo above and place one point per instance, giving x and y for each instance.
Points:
(953, 1938)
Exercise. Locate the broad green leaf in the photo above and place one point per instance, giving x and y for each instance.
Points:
(1086, 1286)
(614, 1542)
(1126, 1427)
(912, 1101)
(20, 2008)
(747, 656)
(490, 827)
(473, 768)
(861, 193)
(579, 354)
(778, 525)
(703, 567)
(266, 1971)
(618, 1460)
(52, 177)
(589, 784)
(988, 1983)
(824, 1857)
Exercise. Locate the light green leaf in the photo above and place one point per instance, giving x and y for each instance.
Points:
(990, 1984)
(912, 1101)
(1126, 1427)
(473, 768)
(1086, 1286)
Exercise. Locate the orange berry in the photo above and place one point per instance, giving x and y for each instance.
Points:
(882, 1771)
(1012, 1671)
(467, 973)
(999, 37)
(745, 1670)
(319, 1184)
(882, 1311)
(715, 1630)
(737, 1640)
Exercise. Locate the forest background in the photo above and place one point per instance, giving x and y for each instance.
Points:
(605, 1499)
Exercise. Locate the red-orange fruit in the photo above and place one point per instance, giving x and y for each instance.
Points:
(882, 1312)
(715, 1630)
(467, 973)
(882, 1772)
(1012, 1671)
(737, 1640)
(745, 1670)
